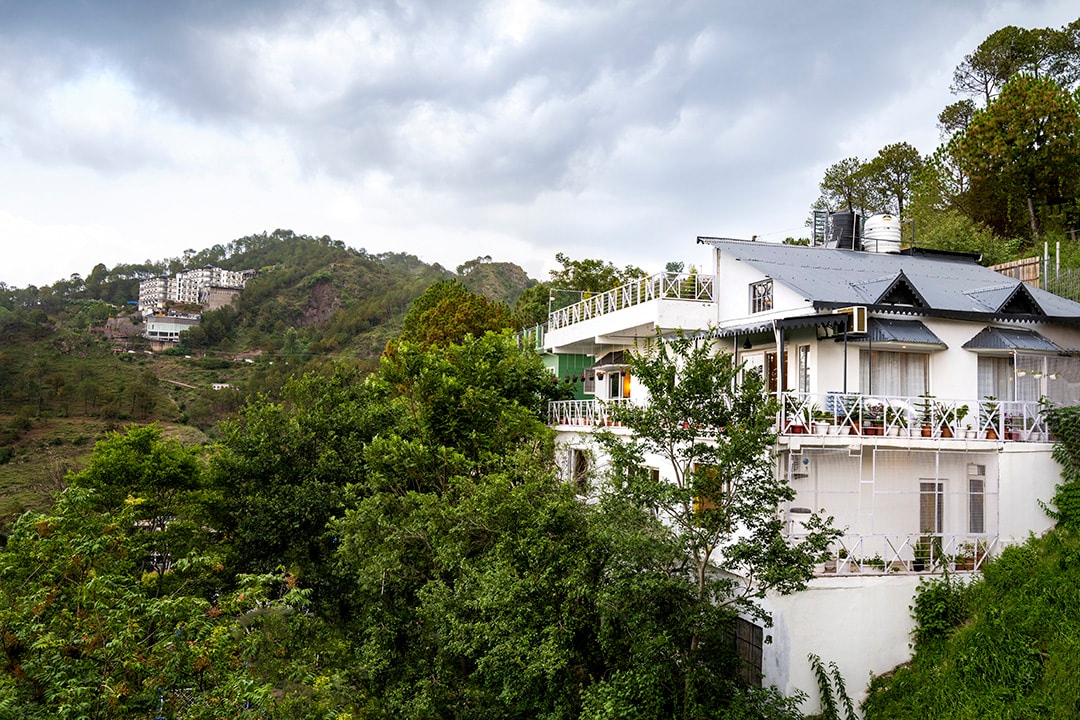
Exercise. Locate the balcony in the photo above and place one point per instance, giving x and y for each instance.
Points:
(594, 413)
(849, 414)
(899, 553)
(923, 416)
(662, 286)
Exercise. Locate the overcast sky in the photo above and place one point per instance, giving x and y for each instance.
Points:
(133, 130)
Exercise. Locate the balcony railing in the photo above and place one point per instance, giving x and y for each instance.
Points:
(868, 415)
(666, 286)
(583, 412)
(900, 553)
(925, 416)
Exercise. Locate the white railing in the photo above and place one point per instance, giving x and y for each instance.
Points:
(662, 286)
(838, 413)
(532, 337)
(583, 412)
(899, 553)
(869, 415)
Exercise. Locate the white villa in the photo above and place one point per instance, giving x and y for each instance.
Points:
(913, 387)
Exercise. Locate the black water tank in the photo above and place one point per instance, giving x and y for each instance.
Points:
(845, 230)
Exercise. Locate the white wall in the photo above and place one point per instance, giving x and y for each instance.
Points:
(1028, 475)
(861, 623)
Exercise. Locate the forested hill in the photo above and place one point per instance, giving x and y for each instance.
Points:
(64, 377)
(312, 296)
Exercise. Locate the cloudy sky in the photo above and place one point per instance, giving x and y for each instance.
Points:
(136, 129)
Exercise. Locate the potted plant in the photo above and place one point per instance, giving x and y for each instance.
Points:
(926, 406)
(965, 557)
(961, 412)
(794, 414)
(948, 417)
(853, 406)
(896, 420)
(990, 416)
(1013, 424)
(873, 415)
(822, 419)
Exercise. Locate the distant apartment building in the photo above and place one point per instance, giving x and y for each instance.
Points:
(209, 287)
(165, 329)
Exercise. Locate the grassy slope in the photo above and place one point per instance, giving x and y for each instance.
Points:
(1013, 654)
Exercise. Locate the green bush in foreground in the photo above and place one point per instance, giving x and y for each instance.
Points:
(1005, 646)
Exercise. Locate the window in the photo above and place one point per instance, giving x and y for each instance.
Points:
(579, 468)
(618, 384)
(761, 298)
(748, 639)
(931, 507)
(996, 377)
(976, 499)
(803, 377)
(897, 374)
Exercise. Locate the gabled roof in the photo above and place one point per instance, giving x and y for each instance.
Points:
(924, 284)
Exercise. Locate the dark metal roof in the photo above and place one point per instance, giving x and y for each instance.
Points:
(995, 338)
(907, 332)
(817, 319)
(947, 285)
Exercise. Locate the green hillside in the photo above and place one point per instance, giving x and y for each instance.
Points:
(64, 380)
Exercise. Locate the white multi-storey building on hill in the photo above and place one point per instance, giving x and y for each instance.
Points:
(913, 389)
(191, 287)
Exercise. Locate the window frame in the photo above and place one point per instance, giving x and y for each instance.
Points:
(761, 296)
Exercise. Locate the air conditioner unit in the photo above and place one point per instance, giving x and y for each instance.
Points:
(856, 318)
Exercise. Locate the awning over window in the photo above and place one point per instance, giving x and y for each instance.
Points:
(1003, 340)
(899, 333)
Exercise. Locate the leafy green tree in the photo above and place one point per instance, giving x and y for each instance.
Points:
(956, 117)
(844, 185)
(891, 174)
(711, 424)
(1001, 55)
(1026, 143)
(448, 311)
(116, 602)
(591, 275)
(282, 468)
(533, 305)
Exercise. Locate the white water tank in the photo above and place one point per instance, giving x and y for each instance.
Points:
(881, 234)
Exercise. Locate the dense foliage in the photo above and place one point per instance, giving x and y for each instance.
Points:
(395, 545)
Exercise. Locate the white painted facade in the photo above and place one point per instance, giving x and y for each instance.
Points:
(926, 467)
(191, 287)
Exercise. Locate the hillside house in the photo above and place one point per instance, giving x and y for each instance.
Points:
(912, 388)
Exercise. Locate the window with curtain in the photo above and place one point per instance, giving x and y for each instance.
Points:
(996, 377)
(897, 374)
(976, 505)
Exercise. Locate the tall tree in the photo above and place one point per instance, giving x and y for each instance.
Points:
(1027, 143)
(891, 174)
(712, 426)
(1001, 55)
(845, 186)
(448, 311)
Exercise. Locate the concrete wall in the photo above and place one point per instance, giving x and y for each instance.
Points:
(862, 623)
(1028, 476)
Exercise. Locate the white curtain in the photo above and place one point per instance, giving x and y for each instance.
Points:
(897, 374)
